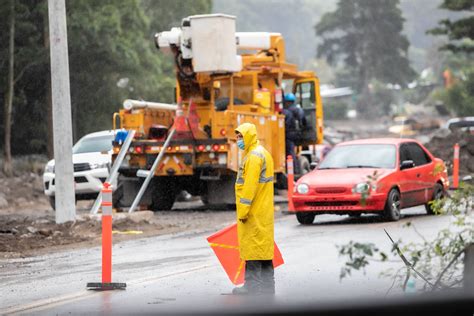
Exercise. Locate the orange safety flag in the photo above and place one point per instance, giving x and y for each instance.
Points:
(225, 244)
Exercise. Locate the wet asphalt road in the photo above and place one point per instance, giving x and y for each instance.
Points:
(180, 272)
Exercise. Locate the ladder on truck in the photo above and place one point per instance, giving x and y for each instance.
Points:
(142, 173)
(114, 170)
(150, 173)
(181, 120)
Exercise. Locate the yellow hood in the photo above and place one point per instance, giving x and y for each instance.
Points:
(249, 132)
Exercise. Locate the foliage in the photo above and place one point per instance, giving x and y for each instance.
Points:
(460, 97)
(354, 39)
(356, 33)
(107, 40)
(335, 110)
(382, 97)
(371, 182)
(439, 261)
(359, 255)
(461, 32)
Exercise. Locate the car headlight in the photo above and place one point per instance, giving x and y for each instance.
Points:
(49, 169)
(362, 187)
(99, 165)
(302, 188)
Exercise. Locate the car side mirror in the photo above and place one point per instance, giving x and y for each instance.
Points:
(313, 165)
(407, 164)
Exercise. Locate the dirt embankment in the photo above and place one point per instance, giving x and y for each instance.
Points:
(26, 234)
(27, 221)
(442, 146)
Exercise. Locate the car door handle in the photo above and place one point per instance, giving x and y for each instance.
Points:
(418, 175)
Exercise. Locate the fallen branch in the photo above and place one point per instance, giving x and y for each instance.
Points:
(436, 284)
(406, 262)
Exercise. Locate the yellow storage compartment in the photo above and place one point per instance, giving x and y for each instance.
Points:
(262, 98)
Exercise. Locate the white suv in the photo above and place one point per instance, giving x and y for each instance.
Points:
(91, 156)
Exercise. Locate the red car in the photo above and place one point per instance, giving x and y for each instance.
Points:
(371, 176)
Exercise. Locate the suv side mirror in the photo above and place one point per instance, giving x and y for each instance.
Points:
(468, 179)
(313, 165)
(407, 164)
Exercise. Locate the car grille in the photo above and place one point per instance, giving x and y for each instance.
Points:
(332, 203)
(81, 167)
(330, 190)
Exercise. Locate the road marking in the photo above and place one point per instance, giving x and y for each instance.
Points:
(81, 295)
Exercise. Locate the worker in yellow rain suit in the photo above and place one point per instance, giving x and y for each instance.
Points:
(255, 213)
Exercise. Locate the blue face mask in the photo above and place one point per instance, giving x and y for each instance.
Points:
(240, 144)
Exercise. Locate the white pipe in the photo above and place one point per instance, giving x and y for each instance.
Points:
(253, 40)
(135, 104)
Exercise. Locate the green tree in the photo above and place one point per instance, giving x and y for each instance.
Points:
(460, 97)
(108, 41)
(460, 46)
(461, 32)
(365, 37)
(19, 59)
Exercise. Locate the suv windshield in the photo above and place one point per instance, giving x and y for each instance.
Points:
(93, 144)
(360, 156)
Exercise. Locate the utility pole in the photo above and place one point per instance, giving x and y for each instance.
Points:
(62, 130)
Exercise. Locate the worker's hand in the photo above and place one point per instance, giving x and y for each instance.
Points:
(242, 220)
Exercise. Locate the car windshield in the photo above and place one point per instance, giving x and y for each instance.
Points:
(360, 156)
(93, 144)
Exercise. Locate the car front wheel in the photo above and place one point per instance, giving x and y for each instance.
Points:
(305, 218)
(393, 206)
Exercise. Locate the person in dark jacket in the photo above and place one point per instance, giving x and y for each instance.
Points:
(295, 120)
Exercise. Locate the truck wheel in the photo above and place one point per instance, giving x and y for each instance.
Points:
(305, 218)
(163, 195)
(438, 194)
(392, 206)
(281, 181)
(204, 199)
(117, 196)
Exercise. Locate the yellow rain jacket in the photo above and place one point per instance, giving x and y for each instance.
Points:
(254, 198)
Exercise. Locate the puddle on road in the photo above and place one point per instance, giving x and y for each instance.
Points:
(162, 300)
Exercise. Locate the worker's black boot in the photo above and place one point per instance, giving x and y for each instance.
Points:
(240, 291)
(268, 278)
(253, 281)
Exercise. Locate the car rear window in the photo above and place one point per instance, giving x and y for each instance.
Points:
(93, 144)
(361, 156)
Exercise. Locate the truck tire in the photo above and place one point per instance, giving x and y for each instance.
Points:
(52, 202)
(305, 218)
(204, 199)
(163, 195)
(281, 181)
